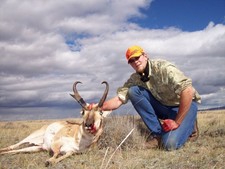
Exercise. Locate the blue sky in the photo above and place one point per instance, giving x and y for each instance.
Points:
(47, 45)
(188, 15)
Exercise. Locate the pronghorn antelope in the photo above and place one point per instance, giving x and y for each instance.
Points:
(66, 138)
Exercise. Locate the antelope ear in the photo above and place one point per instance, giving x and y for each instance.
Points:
(72, 96)
(82, 112)
(106, 113)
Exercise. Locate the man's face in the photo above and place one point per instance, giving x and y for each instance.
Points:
(139, 63)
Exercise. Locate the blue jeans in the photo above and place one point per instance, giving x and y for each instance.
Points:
(151, 110)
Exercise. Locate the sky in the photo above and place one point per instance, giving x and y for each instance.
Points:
(45, 46)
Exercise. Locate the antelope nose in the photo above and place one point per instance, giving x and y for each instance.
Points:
(88, 125)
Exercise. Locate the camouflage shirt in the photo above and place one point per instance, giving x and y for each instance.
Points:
(165, 83)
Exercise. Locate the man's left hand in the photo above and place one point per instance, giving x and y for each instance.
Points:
(169, 125)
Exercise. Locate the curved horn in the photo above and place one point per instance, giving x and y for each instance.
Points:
(104, 94)
(76, 95)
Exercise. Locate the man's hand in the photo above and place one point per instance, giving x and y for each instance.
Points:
(169, 125)
(91, 105)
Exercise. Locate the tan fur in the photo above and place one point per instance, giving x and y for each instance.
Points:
(63, 138)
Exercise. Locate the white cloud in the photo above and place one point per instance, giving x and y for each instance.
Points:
(46, 45)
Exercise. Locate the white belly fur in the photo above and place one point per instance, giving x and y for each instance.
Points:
(51, 130)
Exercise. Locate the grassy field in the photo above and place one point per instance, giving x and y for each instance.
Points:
(207, 152)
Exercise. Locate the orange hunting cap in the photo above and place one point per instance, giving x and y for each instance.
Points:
(134, 51)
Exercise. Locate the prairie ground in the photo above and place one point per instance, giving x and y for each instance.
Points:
(207, 152)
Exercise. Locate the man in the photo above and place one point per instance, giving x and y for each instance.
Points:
(163, 96)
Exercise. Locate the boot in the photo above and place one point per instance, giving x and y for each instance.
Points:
(195, 134)
(153, 142)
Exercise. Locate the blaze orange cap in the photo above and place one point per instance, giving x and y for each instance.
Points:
(134, 51)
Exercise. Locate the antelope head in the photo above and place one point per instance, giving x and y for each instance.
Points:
(92, 113)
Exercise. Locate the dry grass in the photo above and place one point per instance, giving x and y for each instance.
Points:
(207, 152)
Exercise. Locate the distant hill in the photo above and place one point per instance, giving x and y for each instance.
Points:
(214, 108)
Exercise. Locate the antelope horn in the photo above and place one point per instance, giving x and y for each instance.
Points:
(104, 94)
(76, 96)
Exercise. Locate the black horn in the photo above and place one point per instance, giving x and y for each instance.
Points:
(76, 96)
(104, 94)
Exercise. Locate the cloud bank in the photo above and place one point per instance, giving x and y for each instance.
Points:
(47, 45)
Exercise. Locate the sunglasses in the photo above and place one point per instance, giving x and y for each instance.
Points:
(132, 60)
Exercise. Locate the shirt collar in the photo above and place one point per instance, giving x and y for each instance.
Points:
(149, 68)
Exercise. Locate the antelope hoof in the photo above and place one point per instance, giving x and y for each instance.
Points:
(47, 163)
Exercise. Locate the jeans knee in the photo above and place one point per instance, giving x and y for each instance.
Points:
(132, 91)
(170, 143)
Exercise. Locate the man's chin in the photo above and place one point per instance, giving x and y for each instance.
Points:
(140, 70)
